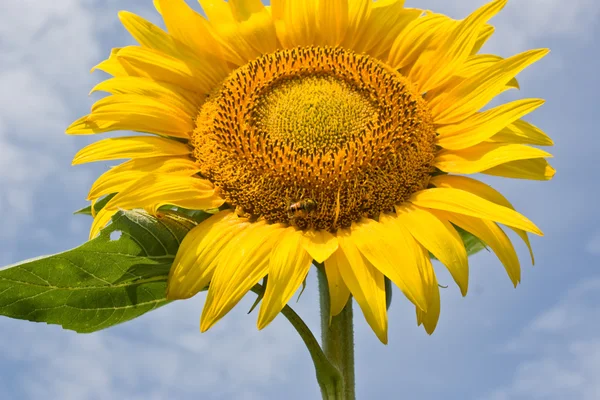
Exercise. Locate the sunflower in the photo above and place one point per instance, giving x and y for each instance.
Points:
(330, 132)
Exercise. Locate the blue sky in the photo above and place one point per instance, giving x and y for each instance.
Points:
(539, 341)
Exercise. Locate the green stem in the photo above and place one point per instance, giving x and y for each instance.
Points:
(338, 343)
(327, 375)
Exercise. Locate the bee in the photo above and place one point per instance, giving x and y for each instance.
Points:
(302, 207)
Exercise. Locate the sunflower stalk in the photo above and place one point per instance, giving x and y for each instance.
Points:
(337, 336)
(328, 376)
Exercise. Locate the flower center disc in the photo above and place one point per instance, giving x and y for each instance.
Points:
(315, 137)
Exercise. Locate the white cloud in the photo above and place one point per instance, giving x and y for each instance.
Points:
(31, 106)
(561, 351)
(46, 50)
(162, 355)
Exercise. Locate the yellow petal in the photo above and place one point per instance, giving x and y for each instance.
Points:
(172, 95)
(244, 262)
(435, 67)
(522, 132)
(134, 113)
(100, 221)
(440, 238)
(462, 202)
(536, 169)
(118, 178)
(320, 244)
(199, 253)
(388, 19)
(482, 126)
(112, 65)
(492, 235)
(187, 73)
(484, 156)
(484, 34)
(409, 45)
(332, 21)
(390, 248)
(288, 266)
(241, 10)
(297, 26)
(93, 207)
(190, 28)
(477, 63)
(217, 11)
(482, 190)
(359, 12)
(229, 35)
(428, 318)
(140, 104)
(156, 4)
(366, 284)
(338, 291)
(196, 41)
(130, 147)
(255, 25)
(131, 118)
(475, 92)
(155, 190)
(149, 35)
(474, 65)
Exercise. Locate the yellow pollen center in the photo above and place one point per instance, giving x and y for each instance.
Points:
(315, 137)
(315, 113)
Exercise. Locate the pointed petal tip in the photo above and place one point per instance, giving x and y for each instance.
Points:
(264, 318)
(541, 53)
(205, 324)
(320, 245)
(421, 302)
(382, 336)
(262, 323)
(429, 329)
(207, 318)
(124, 14)
(538, 232)
(550, 171)
(71, 128)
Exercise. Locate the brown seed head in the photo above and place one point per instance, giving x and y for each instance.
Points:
(322, 124)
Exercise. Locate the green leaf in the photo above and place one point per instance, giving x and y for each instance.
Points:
(113, 278)
(472, 243)
(97, 207)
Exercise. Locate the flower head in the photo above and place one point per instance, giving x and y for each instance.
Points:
(337, 132)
